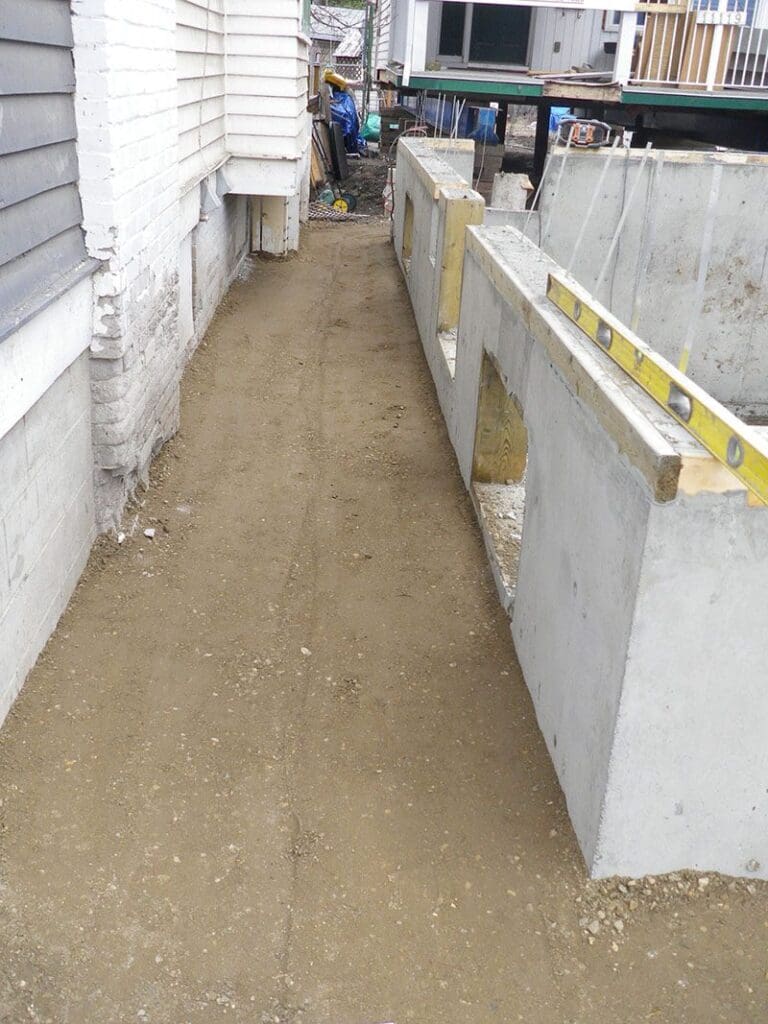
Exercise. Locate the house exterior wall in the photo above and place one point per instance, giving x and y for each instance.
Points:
(267, 80)
(580, 37)
(146, 181)
(47, 521)
(218, 244)
(268, 126)
(134, 144)
(383, 40)
(128, 122)
(559, 39)
(200, 42)
(398, 30)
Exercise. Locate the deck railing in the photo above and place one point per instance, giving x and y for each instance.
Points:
(704, 44)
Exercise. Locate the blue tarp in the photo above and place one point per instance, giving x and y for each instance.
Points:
(556, 114)
(485, 129)
(344, 113)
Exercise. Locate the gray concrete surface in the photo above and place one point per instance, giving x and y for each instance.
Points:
(424, 166)
(610, 608)
(668, 219)
(654, 604)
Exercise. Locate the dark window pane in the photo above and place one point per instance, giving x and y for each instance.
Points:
(452, 29)
(499, 34)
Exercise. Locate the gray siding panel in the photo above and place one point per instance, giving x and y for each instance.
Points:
(36, 21)
(29, 122)
(35, 220)
(27, 68)
(27, 174)
(41, 241)
(29, 283)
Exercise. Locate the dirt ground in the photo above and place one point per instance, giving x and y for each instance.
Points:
(367, 180)
(278, 764)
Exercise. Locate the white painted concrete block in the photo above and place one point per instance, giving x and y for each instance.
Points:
(13, 466)
(36, 355)
(48, 525)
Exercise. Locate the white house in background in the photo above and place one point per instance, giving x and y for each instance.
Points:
(697, 54)
(337, 39)
(145, 148)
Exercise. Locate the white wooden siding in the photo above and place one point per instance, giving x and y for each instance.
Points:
(267, 59)
(383, 26)
(579, 33)
(398, 30)
(200, 55)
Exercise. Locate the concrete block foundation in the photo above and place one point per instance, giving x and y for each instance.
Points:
(47, 517)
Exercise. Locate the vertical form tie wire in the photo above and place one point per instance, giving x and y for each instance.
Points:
(622, 220)
(556, 193)
(701, 277)
(646, 244)
(591, 209)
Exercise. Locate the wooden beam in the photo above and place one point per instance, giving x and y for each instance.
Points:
(501, 439)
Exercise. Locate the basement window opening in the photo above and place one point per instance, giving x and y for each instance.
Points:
(498, 477)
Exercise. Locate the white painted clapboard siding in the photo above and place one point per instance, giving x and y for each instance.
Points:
(201, 83)
(266, 79)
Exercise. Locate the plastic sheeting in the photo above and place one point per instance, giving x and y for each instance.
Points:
(344, 113)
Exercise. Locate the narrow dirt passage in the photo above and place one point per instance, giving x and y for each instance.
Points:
(278, 763)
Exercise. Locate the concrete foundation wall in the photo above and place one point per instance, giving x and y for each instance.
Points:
(690, 758)
(47, 521)
(89, 388)
(668, 220)
(586, 511)
(433, 204)
(630, 561)
(632, 616)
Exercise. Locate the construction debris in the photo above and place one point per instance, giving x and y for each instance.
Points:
(319, 210)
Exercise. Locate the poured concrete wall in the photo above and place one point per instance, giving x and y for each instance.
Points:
(433, 205)
(636, 609)
(668, 220)
(632, 613)
(690, 759)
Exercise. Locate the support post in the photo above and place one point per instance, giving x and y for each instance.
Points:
(275, 223)
(625, 47)
(541, 142)
(501, 122)
(416, 41)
